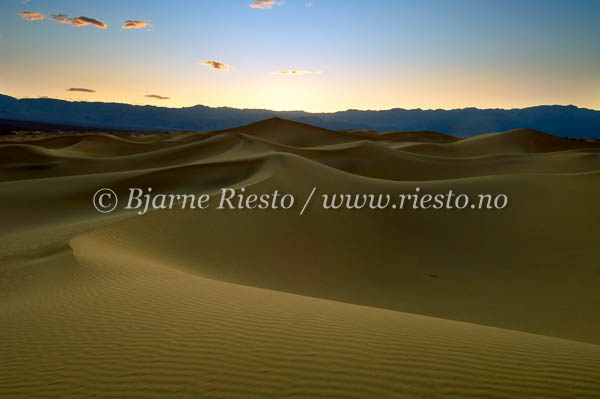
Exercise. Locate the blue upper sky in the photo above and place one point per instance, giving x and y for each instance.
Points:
(346, 54)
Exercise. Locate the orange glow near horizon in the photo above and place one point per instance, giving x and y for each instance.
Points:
(311, 93)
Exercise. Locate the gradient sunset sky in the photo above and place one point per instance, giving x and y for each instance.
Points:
(337, 54)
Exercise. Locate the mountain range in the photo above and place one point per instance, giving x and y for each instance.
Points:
(566, 121)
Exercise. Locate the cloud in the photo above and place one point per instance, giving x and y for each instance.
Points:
(129, 24)
(216, 65)
(78, 21)
(307, 4)
(64, 19)
(81, 89)
(31, 16)
(156, 96)
(295, 72)
(265, 4)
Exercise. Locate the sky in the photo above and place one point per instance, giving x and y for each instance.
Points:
(312, 55)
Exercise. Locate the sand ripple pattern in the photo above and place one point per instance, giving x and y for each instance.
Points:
(209, 305)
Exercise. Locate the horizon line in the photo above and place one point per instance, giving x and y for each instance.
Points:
(299, 110)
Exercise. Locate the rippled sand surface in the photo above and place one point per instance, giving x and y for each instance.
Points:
(270, 304)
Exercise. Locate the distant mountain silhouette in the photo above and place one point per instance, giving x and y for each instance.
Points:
(565, 121)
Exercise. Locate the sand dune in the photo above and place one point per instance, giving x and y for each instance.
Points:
(513, 141)
(348, 304)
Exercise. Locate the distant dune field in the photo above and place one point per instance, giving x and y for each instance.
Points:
(269, 304)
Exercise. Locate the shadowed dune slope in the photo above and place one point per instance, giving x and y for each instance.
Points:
(293, 133)
(384, 258)
(407, 303)
(512, 141)
(420, 136)
(424, 136)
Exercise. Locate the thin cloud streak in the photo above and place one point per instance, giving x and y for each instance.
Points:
(78, 21)
(31, 16)
(216, 65)
(156, 96)
(81, 89)
(130, 24)
(295, 72)
(265, 4)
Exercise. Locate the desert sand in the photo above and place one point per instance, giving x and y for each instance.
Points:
(270, 304)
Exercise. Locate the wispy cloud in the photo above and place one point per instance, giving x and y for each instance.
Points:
(295, 72)
(130, 24)
(216, 65)
(31, 16)
(81, 89)
(78, 21)
(265, 4)
(156, 96)
(307, 4)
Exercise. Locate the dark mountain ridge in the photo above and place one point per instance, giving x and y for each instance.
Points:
(565, 121)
